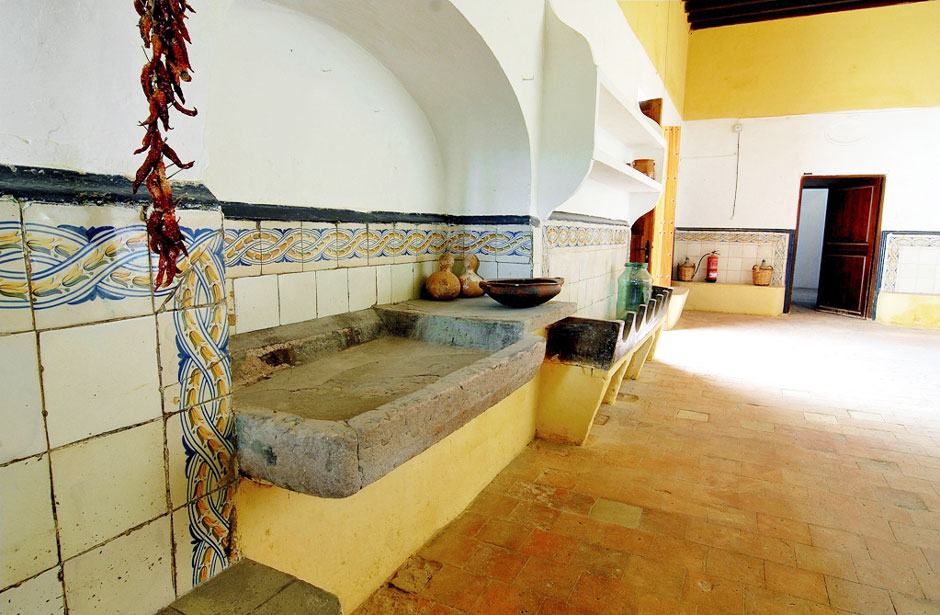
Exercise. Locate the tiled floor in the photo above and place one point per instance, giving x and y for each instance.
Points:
(759, 466)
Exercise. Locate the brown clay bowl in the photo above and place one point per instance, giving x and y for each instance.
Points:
(522, 292)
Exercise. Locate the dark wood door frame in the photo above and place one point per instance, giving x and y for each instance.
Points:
(827, 181)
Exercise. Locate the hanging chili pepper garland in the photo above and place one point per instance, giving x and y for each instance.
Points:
(163, 31)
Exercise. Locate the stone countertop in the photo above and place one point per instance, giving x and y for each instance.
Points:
(486, 309)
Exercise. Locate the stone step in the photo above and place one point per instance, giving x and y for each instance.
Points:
(250, 588)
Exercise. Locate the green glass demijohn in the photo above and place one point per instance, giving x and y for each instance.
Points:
(634, 287)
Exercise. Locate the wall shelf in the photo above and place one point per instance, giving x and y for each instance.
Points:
(591, 133)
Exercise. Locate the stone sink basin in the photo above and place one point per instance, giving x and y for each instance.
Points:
(328, 406)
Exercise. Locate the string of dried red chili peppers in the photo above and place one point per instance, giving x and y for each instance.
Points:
(163, 31)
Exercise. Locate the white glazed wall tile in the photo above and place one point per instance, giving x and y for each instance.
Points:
(166, 333)
(332, 292)
(15, 311)
(297, 296)
(403, 276)
(362, 288)
(423, 271)
(73, 265)
(130, 575)
(185, 572)
(23, 432)
(488, 270)
(27, 529)
(513, 270)
(383, 284)
(474, 239)
(241, 248)
(282, 247)
(434, 242)
(42, 595)
(97, 378)
(406, 240)
(107, 485)
(256, 303)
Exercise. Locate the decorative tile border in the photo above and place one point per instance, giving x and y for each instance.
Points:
(779, 241)
(305, 244)
(892, 249)
(574, 235)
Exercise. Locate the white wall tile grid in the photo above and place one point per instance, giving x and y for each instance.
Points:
(912, 264)
(120, 436)
(357, 265)
(590, 257)
(738, 252)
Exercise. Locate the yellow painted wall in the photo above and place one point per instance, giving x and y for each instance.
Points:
(909, 310)
(734, 298)
(664, 33)
(864, 59)
(350, 546)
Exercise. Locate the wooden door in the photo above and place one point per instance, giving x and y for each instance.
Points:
(849, 245)
(641, 238)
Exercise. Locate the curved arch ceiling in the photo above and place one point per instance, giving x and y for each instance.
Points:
(454, 77)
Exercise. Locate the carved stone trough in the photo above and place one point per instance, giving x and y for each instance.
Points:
(328, 406)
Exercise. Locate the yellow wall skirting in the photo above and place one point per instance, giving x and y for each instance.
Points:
(734, 298)
(663, 31)
(875, 58)
(909, 310)
(350, 546)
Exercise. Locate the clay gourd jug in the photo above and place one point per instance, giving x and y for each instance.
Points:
(443, 284)
(470, 279)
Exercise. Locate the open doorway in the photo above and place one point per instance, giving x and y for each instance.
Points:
(838, 225)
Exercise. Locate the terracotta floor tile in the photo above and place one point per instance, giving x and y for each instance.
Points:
(838, 540)
(917, 536)
(602, 595)
(663, 522)
(502, 599)
(888, 576)
(652, 576)
(761, 601)
(824, 561)
(929, 583)
(557, 478)
(504, 533)
(785, 529)
(558, 607)
(713, 592)
(548, 579)
(654, 604)
(583, 528)
(455, 588)
(467, 524)
(617, 513)
(626, 539)
(905, 605)
(858, 598)
(800, 583)
(600, 561)
(687, 554)
(734, 566)
(450, 548)
(550, 546)
(889, 551)
(495, 562)
(492, 505)
(534, 514)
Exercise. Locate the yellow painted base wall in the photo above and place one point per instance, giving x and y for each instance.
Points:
(734, 298)
(350, 546)
(909, 310)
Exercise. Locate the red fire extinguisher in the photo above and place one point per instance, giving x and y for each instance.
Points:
(711, 275)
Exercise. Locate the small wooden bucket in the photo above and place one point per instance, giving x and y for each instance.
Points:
(762, 274)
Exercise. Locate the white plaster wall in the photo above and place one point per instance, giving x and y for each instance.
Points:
(70, 93)
(303, 115)
(902, 144)
(810, 241)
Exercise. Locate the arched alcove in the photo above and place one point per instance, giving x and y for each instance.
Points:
(369, 105)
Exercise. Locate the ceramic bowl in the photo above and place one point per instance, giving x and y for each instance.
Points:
(522, 292)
